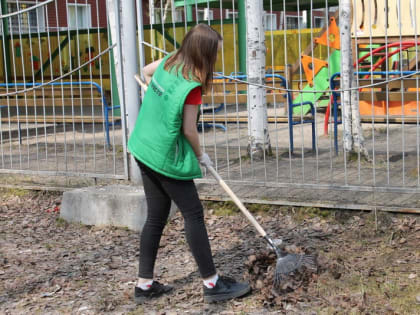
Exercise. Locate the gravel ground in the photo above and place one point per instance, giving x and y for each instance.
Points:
(368, 264)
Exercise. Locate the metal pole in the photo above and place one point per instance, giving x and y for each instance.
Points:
(7, 68)
(114, 86)
(123, 28)
(242, 35)
(189, 13)
(130, 67)
(259, 140)
(142, 59)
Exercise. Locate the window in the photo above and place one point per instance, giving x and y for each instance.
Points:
(229, 14)
(204, 14)
(167, 16)
(294, 22)
(78, 16)
(29, 21)
(177, 15)
(319, 22)
(270, 21)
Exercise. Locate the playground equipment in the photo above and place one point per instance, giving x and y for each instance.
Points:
(386, 100)
(396, 98)
(366, 97)
(397, 53)
(318, 71)
(229, 92)
(381, 32)
(387, 49)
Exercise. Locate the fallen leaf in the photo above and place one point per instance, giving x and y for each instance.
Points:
(259, 284)
(48, 294)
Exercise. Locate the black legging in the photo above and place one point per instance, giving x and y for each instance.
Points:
(160, 190)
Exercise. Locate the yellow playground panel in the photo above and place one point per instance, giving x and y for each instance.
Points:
(372, 20)
(45, 57)
(275, 58)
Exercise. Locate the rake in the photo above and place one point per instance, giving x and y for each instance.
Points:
(286, 262)
(140, 82)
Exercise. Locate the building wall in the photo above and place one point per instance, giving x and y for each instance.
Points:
(59, 14)
(146, 18)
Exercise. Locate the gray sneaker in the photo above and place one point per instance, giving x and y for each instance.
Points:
(226, 288)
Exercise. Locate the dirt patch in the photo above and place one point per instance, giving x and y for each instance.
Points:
(368, 263)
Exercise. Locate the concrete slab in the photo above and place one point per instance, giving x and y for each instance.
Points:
(114, 205)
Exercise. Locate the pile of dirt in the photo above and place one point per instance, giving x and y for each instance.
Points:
(290, 288)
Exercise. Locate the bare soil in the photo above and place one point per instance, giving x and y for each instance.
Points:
(368, 263)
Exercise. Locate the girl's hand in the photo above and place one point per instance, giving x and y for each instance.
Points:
(140, 82)
(150, 69)
(205, 160)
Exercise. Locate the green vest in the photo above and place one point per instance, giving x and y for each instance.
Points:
(157, 139)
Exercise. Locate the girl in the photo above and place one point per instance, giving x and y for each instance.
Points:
(166, 145)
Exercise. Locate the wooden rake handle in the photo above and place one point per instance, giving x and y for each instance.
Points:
(236, 200)
(140, 82)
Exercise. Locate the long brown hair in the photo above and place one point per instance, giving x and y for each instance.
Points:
(197, 55)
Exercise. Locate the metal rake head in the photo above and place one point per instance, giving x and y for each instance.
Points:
(290, 262)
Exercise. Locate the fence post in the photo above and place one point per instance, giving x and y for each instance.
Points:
(5, 23)
(130, 67)
(140, 37)
(242, 35)
(123, 29)
(259, 140)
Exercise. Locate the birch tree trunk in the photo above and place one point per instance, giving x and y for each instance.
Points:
(259, 139)
(353, 132)
(346, 72)
(357, 131)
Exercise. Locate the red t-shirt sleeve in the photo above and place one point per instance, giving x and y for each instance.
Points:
(194, 98)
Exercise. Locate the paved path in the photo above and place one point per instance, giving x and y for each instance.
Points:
(319, 177)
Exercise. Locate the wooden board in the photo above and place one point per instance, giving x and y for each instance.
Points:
(58, 119)
(395, 119)
(55, 92)
(233, 87)
(390, 96)
(406, 83)
(240, 98)
(383, 84)
(244, 119)
(31, 102)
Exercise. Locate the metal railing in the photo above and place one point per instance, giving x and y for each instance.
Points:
(305, 156)
(383, 162)
(60, 112)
